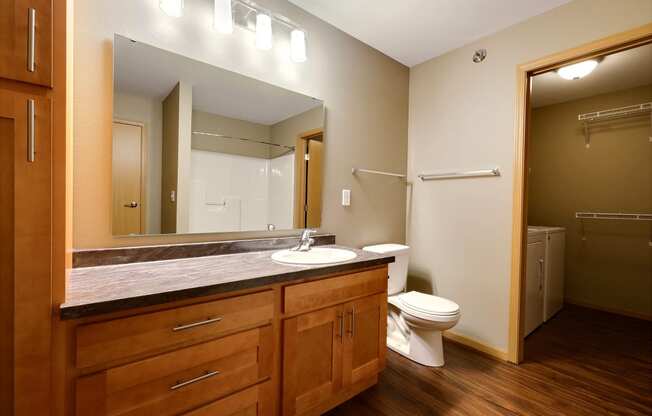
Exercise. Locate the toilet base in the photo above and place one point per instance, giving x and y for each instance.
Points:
(424, 347)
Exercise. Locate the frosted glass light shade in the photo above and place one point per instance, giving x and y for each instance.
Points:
(578, 70)
(263, 31)
(173, 8)
(298, 45)
(223, 16)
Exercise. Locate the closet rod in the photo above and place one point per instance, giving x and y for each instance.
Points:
(225, 136)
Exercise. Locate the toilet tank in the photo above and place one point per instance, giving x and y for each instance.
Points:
(398, 269)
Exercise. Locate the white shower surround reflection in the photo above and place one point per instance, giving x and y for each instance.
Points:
(232, 193)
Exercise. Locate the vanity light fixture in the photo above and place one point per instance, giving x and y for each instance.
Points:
(223, 16)
(263, 31)
(173, 8)
(578, 70)
(298, 45)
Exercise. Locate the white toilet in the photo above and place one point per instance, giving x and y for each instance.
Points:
(414, 320)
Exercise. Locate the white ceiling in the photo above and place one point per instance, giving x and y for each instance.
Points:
(619, 71)
(147, 71)
(413, 31)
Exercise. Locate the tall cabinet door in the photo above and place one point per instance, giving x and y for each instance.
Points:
(366, 336)
(26, 41)
(312, 359)
(25, 254)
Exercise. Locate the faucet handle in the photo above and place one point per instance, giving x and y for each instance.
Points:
(307, 233)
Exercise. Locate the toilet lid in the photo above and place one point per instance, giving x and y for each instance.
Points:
(429, 304)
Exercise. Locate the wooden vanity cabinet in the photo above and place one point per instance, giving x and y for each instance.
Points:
(290, 349)
(26, 41)
(331, 354)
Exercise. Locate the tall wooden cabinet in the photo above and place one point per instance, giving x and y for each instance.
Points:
(32, 123)
(25, 166)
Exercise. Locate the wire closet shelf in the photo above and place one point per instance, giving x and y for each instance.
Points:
(613, 216)
(612, 114)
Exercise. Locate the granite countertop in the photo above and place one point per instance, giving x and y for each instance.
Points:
(102, 289)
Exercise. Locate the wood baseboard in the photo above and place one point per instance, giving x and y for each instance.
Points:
(616, 311)
(476, 345)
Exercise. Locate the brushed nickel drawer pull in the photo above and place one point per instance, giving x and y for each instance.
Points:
(352, 332)
(180, 384)
(340, 317)
(31, 40)
(196, 324)
(31, 134)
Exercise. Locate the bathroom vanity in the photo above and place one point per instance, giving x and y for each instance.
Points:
(231, 334)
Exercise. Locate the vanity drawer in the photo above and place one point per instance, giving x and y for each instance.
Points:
(104, 342)
(254, 401)
(179, 381)
(321, 293)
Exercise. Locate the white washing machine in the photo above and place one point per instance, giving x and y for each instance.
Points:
(534, 280)
(554, 269)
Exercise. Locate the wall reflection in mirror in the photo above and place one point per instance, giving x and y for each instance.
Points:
(199, 149)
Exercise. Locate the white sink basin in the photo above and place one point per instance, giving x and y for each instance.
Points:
(316, 255)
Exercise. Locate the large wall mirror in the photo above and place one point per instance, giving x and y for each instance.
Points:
(199, 149)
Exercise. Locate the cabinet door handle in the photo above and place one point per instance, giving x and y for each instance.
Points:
(352, 322)
(196, 324)
(180, 384)
(132, 204)
(340, 318)
(541, 273)
(31, 39)
(31, 134)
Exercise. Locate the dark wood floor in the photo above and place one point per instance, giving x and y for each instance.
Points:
(582, 362)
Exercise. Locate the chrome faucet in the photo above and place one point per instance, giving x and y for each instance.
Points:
(306, 241)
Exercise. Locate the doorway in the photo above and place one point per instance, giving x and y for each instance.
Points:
(128, 178)
(309, 156)
(601, 51)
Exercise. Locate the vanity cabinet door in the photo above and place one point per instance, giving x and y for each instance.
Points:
(312, 359)
(26, 41)
(365, 339)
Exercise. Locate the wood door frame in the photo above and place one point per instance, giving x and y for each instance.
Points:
(608, 45)
(143, 171)
(300, 176)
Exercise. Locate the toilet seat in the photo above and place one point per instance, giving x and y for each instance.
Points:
(428, 307)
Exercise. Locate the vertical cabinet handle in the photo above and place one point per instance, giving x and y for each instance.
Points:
(352, 322)
(31, 134)
(31, 39)
(340, 318)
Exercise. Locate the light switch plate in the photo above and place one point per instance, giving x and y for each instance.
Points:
(346, 197)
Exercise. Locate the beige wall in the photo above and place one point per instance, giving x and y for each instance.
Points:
(286, 132)
(130, 107)
(217, 124)
(612, 267)
(462, 116)
(365, 92)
